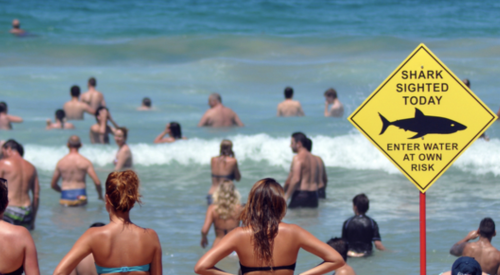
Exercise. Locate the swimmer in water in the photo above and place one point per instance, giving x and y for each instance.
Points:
(224, 166)
(5, 119)
(75, 108)
(18, 254)
(218, 115)
(146, 105)
(331, 98)
(123, 158)
(290, 107)
(173, 129)
(265, 244)
(93, 97)
(60, 122)
(119, 246)
(99, 132)
(16, 28)
(224, 213)
(73, 169)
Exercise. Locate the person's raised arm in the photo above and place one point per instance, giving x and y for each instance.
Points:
(55, 179)
(209, 219)
(15, 119)
(30, 263)
(203, 120)
(332, 259)
(206, 264)
(458, 248)
(95, 178)
(79, 251)
(36, 198)
(160, 139)
(295, 178)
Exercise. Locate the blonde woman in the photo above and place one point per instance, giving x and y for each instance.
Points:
(224, 213)
(224, 167)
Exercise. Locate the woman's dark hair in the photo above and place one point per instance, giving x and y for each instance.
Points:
(99, 109)
(122, 189)
(175, 129)
(263, 212)
(226, 148)
(60, 114)
(4, 195)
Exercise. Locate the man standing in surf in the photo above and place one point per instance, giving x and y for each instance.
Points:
(219, 115)
(302, 182)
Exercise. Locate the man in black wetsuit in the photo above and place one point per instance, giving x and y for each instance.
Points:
(302, 182)
(360, 230)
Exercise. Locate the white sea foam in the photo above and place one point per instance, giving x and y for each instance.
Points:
(348, 151)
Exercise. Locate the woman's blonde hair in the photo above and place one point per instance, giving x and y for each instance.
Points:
(226, 198)
(226, 148)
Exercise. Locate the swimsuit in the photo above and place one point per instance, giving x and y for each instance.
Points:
(19, 215)
(229, 177)
(302, 198)
(106, 270)
(19, 271)
(225, 230)
(245, 269)
(73, 197)
(322, 192)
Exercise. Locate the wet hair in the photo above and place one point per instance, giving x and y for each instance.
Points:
(175, 129)
(3, 107)
(361, 202)
(146, 101)
(226, 148)
(97, 224)
(308, 144)
(341, 245)
(124, 130)
(226, 198)
(466, 81)
(265, 208)
(99, 109)
(216, 96)
(60, 114)
(75, 91)
(14, 145)
(331, 93)
(4, 195)
(74, 142)
(487, 228)
(122, 189)
(288, 92)
(300, 137)
(92, 82)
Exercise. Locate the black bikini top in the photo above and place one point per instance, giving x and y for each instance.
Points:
(19, 271)
(229, 177)
(246, 269)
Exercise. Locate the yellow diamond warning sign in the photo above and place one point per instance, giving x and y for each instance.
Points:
(422, 117)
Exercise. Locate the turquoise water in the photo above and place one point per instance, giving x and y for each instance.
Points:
(178, 52)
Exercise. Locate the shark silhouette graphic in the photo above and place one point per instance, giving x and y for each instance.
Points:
(423, 125)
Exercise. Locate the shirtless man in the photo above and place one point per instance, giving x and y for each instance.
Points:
(99, 132)
(16, 28)
(302, 182)
(74, 108)
(323, 179)
(22, 179)
(73, 169)
(482, 250)
(290, 107)
(93, 97)
(5, 119)
(218, 115)
(337, 109)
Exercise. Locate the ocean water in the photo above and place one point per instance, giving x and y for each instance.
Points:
(178, 52)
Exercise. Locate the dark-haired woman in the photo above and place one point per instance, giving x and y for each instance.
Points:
(60, 121)
(120, 246)
(123, 159)
(174, 132)
(224, 167)
(264, 244)
(19, 253)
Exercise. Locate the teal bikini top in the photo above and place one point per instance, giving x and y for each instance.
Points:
(106, 270)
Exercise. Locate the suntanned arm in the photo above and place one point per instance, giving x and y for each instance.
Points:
(327, 113)
(325, 177)
(160, 139)
(55, 179)
(237, 120)
(95, 178)
(15, 119)
(332, 259)
(36, 197)
(458, 248)
(79, 251)
(301, 111)
(88, 109)
(289, 178)
(203, 120)
(295, 179)
(30, 263)
(379, 245)
(209, 219)
(206, 264)
(156, 265)
(237, 175)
